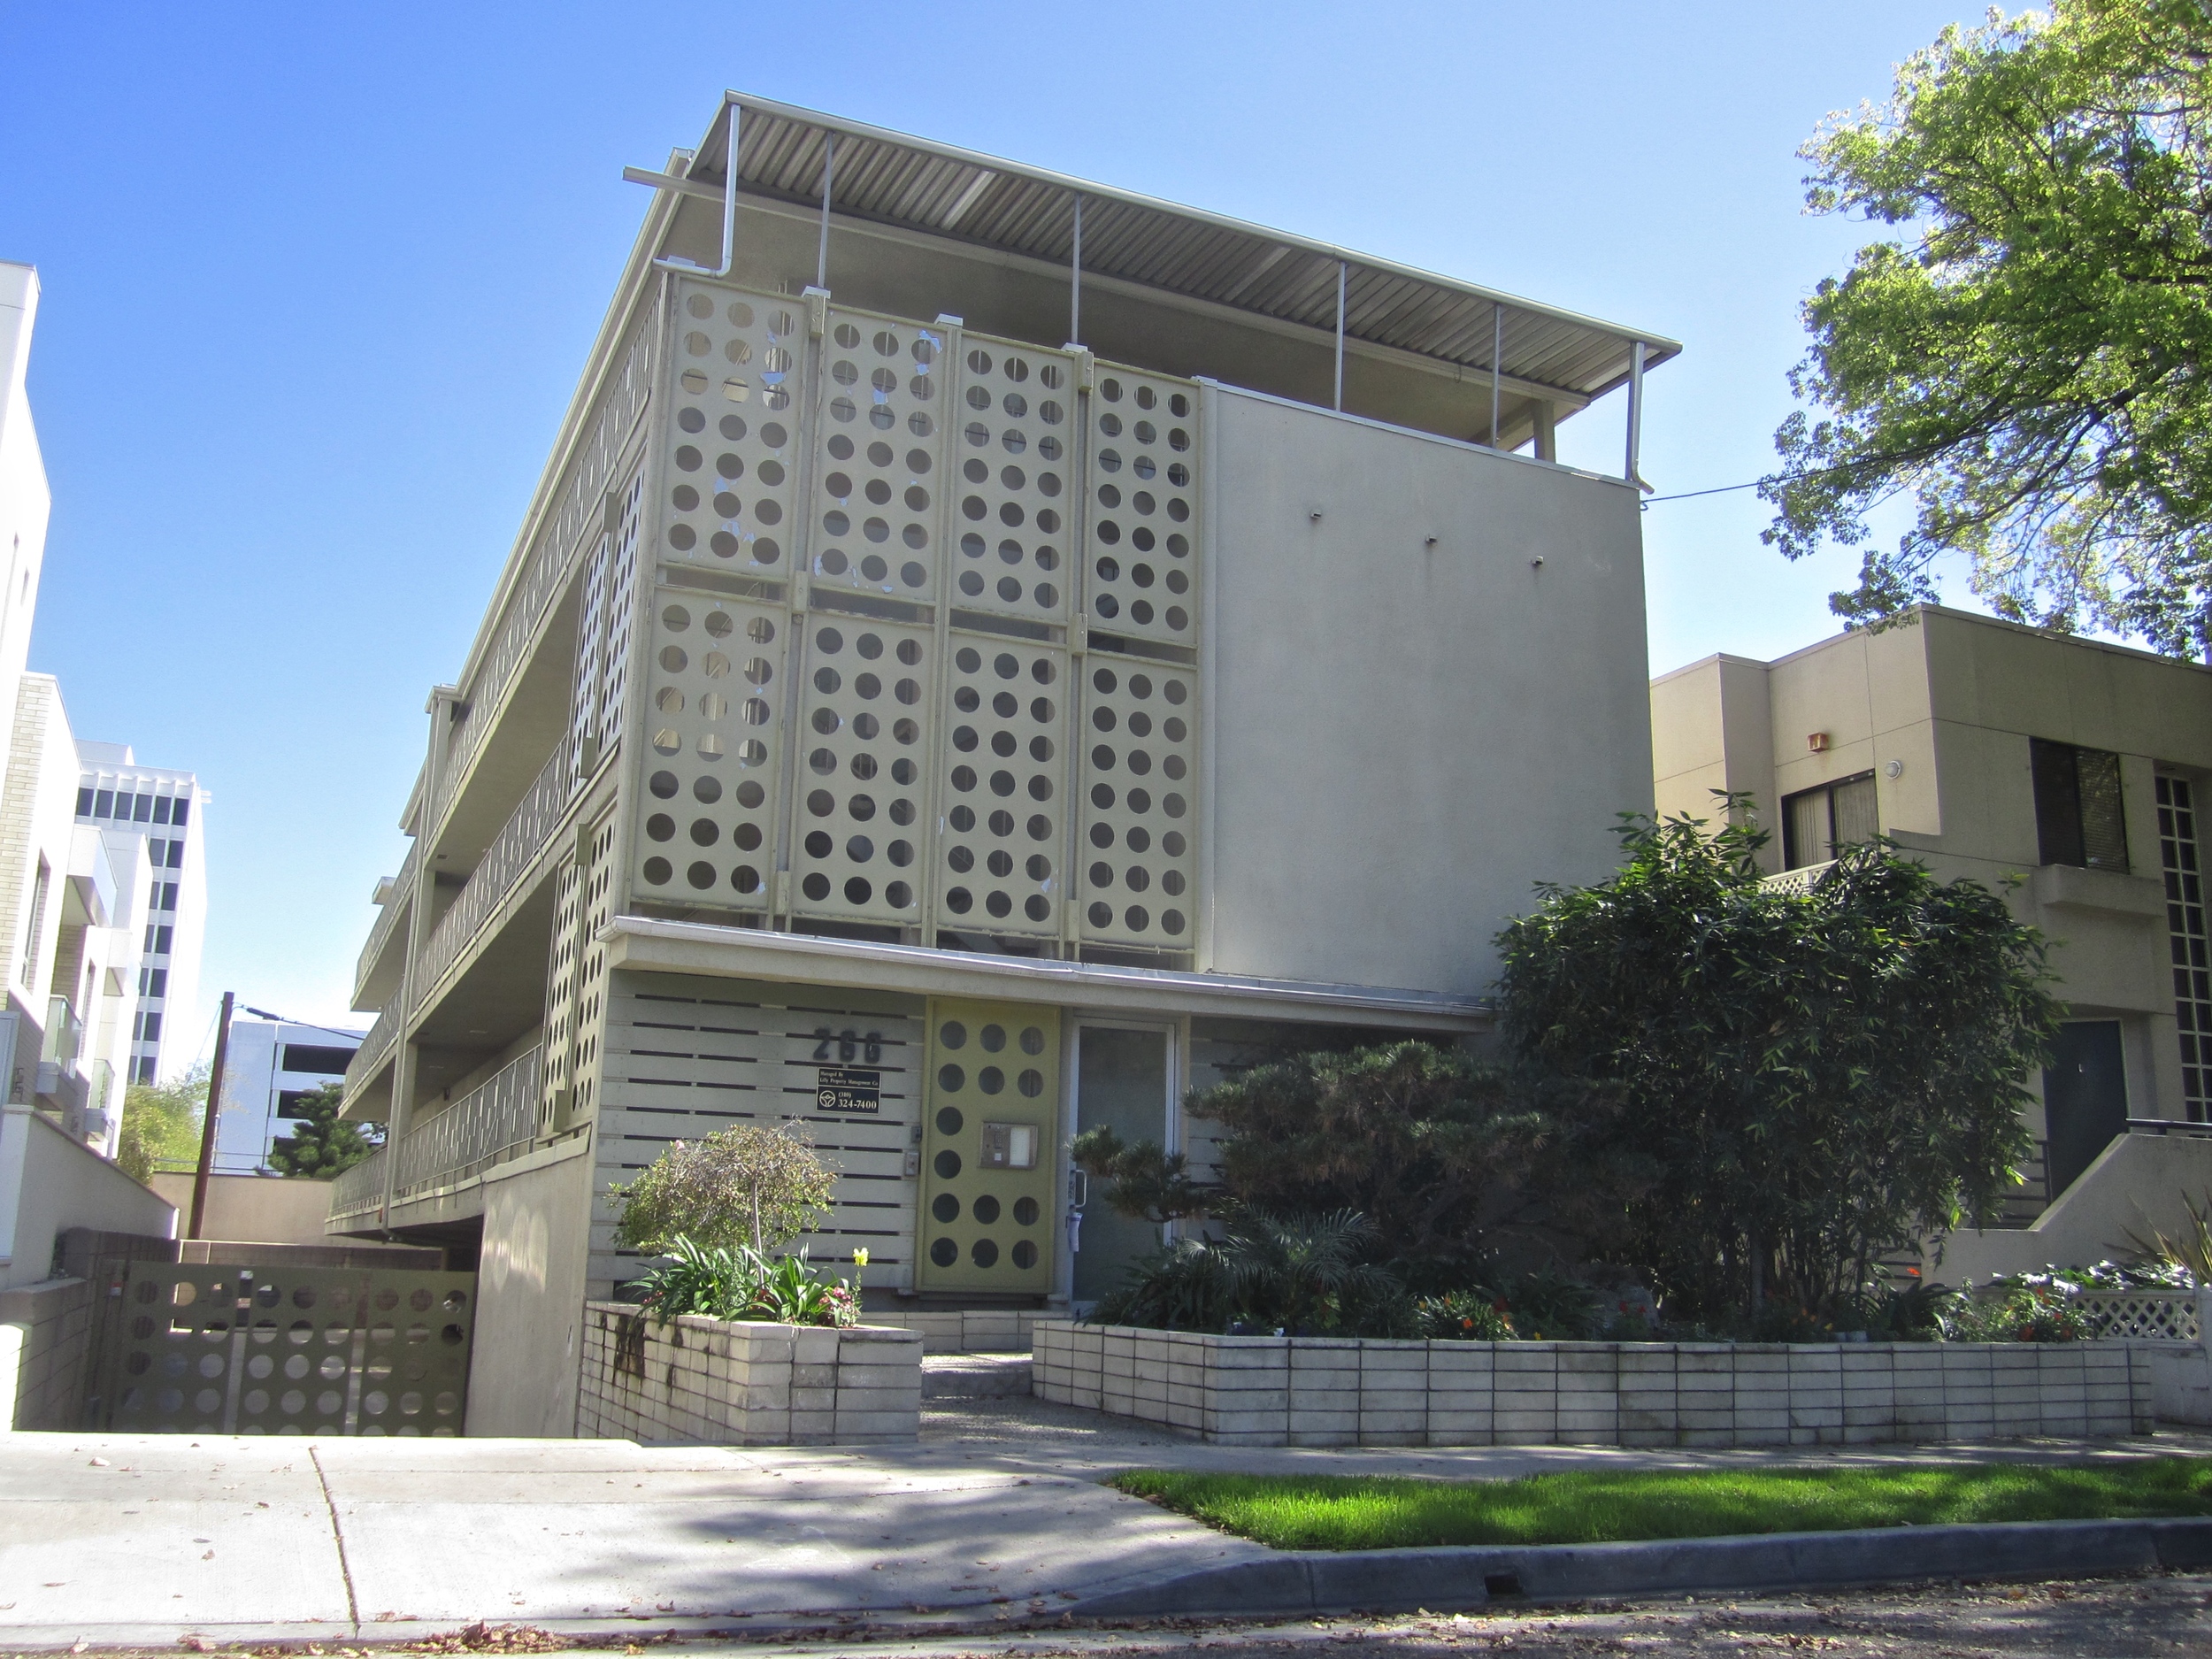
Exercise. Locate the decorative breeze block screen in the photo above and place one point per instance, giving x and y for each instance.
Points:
(918, 729)
(1015, 467)
(882, 457)
(706, 829)
(862, 790)
(1142, 579)
(1004, 816)
(732, 459)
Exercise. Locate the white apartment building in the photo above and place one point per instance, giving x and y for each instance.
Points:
(74, 897)
(270, 1064)
(989, 652)
(164, 810)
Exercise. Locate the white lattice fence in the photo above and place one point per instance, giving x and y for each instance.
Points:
(2159, 1316)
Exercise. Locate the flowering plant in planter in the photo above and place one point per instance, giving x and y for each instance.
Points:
(737, 1282)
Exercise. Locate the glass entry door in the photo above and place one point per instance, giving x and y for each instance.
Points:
(1124, 1081)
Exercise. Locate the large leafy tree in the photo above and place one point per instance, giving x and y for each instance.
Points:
(319, 1146)
(161, 1125)
(1809, 1080)
(1444, 1153)
(2025, 357)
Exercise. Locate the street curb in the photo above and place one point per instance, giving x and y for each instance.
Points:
(1442, 1580)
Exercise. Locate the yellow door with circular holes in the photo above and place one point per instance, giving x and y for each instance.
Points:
(990, 1148)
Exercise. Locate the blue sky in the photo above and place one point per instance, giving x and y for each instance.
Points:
(318, 280)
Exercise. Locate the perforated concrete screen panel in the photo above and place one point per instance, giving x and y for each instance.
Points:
(882, 455)
(685, 1057)
(1143, 507)
(1015, 466)
(716, 691)
(206, 1350)
(1004, 816)
(730, 460)
(914, 723)
(1139, 756)
(990, 1147)
(862, 791)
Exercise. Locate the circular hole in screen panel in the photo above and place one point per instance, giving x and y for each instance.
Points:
(1139, 802)
(865, 753)
(1140, 499)
(1003, 795)
(881, 442)
(1013, 492)
(729, 502)
(720, 710)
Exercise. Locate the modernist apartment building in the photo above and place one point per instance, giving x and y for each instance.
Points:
(165, 810)
(1993, 750)
(989, 652)
(268, 1066)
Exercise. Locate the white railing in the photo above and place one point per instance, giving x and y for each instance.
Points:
(518, 842)
(388, 913)
(2159, 1316)
(1800, 881)
(489, 1125)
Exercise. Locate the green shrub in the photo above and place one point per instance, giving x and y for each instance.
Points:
(737, 1282)
(1465, 1315)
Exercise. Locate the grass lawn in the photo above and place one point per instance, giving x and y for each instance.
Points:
(1379, 1512)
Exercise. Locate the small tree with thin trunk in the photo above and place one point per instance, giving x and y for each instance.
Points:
(749, 1185)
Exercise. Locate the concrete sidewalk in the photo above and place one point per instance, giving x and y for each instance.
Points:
(997, 1514)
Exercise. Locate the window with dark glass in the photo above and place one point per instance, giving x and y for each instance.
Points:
(1816, 822)
(2079, 818)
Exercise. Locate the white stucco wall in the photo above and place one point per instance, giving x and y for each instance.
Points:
(1402, 735)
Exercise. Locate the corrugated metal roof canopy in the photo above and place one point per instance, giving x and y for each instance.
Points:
(940, 190)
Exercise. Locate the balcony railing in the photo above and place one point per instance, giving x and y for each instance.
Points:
(563, 539)
(493, 1122)
(509, 854)
(65, 1034)
(359, 1191)
(388, 913)
(1800, 881)
(376, 1045)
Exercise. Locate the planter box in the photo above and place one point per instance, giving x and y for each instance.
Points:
(714, 1382)
(1318, 1391)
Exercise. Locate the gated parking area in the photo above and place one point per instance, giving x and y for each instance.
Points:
(272, 1348)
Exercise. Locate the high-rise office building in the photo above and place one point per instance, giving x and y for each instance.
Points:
(162, 809)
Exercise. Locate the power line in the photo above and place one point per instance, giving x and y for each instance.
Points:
(1723, 489)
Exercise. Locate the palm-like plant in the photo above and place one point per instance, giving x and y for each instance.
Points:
(1300, 1271)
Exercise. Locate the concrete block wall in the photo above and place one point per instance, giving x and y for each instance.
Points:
(45, 1337)
(964, 1330)
(712, 1382)
(1311, 1391)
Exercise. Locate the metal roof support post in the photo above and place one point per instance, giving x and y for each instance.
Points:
(1075, 280)
(729, 215)
(829, 171)
(1635, 413)
(1497, 348)
(1339, 404)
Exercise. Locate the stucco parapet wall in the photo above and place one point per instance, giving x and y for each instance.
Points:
(746, 953)
(1278, 1390)
(695, 1381)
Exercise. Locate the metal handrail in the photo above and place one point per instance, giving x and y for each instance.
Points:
(360, 1189)
(486, 1126)
(388, 913)
(518, 842)
(2169, 1127)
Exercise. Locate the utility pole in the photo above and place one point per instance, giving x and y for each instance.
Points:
(207, 1124)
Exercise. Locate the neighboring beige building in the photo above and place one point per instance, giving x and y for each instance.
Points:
(1991, 750)
(966, 678)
